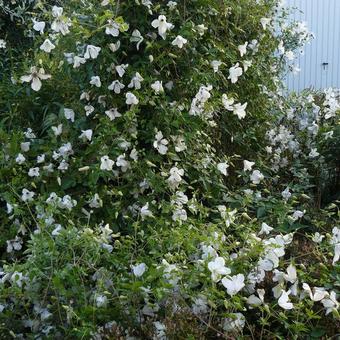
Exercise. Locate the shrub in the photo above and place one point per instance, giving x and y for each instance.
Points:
(151, 171)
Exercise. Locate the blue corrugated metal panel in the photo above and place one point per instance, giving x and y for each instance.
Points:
(323, 19)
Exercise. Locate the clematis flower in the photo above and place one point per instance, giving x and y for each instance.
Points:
(222, 168)
(256, 177)
(86, 134)
(131, 99)
(175, 177)
(286, 194)
(179, 41)
(235, 323)
(47, 46)
(265, 22)
(243, 49)
(235, 72)
(145, 211)
(27, 196)
(113, 114)
(247, 165)
(20, 159)
(92, 52)
(240, 110)
(35, 77)
(162, 25)
(139, 269)
(265, 229)
(157, 86)
(77, 61)
(215, 64)
(228, 102)
(136, 82)
(60, 24)
(217, 268)
(246, 64)
(160, 143)
(114, 46)
(136, 37)
(95, 80)
(116, 86)
(112, 28)
(34, 172)
(318, 294)
(38, 26)
(284, 301)
(106, 163)
(121, 69)
(233, 284)
(331, 304)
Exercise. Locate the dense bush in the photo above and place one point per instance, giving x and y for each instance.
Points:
(155, 182)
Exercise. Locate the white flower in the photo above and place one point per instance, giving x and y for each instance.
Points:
(336, 253)
(253, 300)
(247, 165)
(175, 177)
(246, 64)
(139, 269)
(201, 97)
(317, 237)
(27, 196)
(265, 22)
(113, 114)
(106, 163)
(92, 52)
(47, 46)
(114, 46)
(331, 304)
(240, 110)
(78, 61)
(131, 99)
(157, 86)
(136, 82)
(96, 202)
(228, 102)
(35, 77)
(38, 26)
(179, 41)
(265, 229)
(162, 25)
(291, 275)
(297, 214)
(95, 80)
(217, 268)
(137, 38)
(201, 29)
(233, 284)
(286, 194)
(179, 214)
(60, 24)
(313, 153)
(25, 146)
(243, 49)
(69, 114)
(236, 322)
(289, 55)
(160, 143)
(256, 177)
(101, 301)
(222, 168)
(145, 211)
(121, 69)
(234, 73)
(33, 172)
(88, 109)
(284, 301)
(112, 28)
(172, 5)
(86, 134)
(319, 293)
(215, 64)
(116, 86)
(122, 163)
(20, 159)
